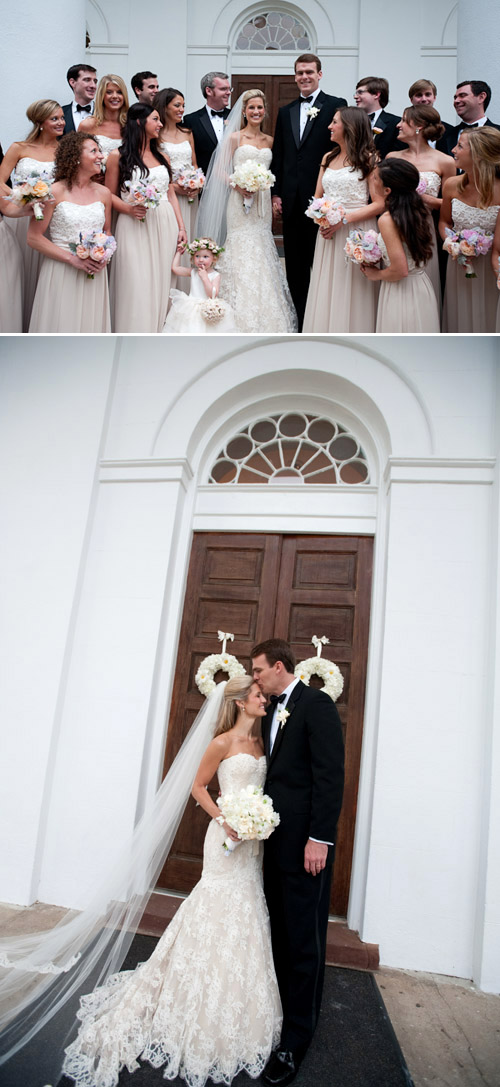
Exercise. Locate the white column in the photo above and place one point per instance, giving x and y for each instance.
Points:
(478, 25)
(39, 44)
(159, 45)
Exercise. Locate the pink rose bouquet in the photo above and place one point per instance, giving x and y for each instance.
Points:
(466, 245)
(362, 247)
(191, 178)
(324, 212)
(142, 192)
(94, 244)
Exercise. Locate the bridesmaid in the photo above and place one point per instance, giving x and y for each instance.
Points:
(11, 260)
(66, 300)
(110, 114)
(339, 300)
(418, 125)
(407, 302)
(495, 264)
(470, 201)
(34, 154)
(177, 144)
(146, 240)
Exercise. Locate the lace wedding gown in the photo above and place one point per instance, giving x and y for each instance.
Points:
(206, 1004)
(179, 156)
(141, 268)
(185, 312)
(66, 300)
(340, 299)
(252, 279)
(32, 259)
(408, 305)
(470, 305)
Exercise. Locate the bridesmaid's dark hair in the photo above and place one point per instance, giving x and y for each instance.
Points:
(406, 207)
(67, 157)
(162, 99)
(134, 134)
(358, 139)
(427, 118)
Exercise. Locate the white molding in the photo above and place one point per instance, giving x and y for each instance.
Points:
(107, 48)
(439, 470)
(146, 471)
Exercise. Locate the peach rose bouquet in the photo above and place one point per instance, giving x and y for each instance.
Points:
(35, 189)
(94, 244)
(466, 245)
(362, 247)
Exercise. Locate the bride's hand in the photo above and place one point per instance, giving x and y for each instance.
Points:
(230, 833)
(244, 192)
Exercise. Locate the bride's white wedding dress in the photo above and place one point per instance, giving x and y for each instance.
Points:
(252, 279)
(206, 1004)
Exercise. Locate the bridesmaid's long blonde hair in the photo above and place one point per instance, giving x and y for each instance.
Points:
(237, 689)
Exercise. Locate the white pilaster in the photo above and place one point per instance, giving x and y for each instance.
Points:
(478, 25)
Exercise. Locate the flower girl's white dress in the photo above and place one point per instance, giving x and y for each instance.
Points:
(186, 311)
(206, 1004)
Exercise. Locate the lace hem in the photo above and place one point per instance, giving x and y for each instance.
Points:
(45, 968)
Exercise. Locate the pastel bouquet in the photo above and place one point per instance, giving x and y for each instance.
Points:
(253, 177)
(143, 193)
(422, 186)
(94, 244)
(324, 212)
(35, 189)
(250, 813)
(191, 178)
(466, 245)
(362, 247)
(212, 310)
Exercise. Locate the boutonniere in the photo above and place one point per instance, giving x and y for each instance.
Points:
(312, 112)
(282, 716)
(377, 131)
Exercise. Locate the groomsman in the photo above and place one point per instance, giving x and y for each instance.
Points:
(145, 85)
(82, 79)
(372, 96)
(207, 123)
(471, 100)
(424, 93)
(300, 141)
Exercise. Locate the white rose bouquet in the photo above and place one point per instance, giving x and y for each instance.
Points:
(253, 177)
(250, 813)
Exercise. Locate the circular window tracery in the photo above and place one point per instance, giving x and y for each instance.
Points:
(273, 30)
(292, 446)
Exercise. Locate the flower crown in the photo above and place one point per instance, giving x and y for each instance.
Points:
(204, 243)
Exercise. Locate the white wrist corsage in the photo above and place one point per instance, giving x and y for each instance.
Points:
(312, 112)
(282, 716)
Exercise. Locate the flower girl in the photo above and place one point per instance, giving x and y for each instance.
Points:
(201, 310)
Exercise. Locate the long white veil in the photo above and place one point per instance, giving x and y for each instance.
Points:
(43, 975)
(211, 219)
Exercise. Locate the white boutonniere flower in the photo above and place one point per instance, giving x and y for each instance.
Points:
(282, 716)
(312, 112)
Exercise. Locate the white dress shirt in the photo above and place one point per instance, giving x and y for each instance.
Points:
(217, 123)
(304, 106)
(78, 114)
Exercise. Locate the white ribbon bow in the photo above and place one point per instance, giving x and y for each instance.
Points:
(319, 643)
(223, 638)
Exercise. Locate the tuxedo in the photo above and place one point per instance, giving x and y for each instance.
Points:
(305, 778)
(205, 140)
(296, 164)
(388, 139)
(449, 140)
(69, 120)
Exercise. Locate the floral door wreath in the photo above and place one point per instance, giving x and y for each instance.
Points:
(317, 666)
(217, 662)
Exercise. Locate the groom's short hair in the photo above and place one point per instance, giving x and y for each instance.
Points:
(308, 58)
(275, 649)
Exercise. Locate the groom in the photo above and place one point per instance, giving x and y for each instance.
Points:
(300, 141)
(305, 776)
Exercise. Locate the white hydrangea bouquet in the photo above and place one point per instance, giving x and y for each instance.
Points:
(250, 813)
(253, 177)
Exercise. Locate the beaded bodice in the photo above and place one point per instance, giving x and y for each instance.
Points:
(346, 186)
(68, 220)
(467, 218)
(179, 154)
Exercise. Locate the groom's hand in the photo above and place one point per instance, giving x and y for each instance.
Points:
(277, 207)
(315, 855)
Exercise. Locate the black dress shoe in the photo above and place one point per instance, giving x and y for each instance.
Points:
(281, 1068)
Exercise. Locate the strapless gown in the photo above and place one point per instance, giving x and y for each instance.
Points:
(433, 181)
(141, 268)
(107, 144)
(410, 304)
(66, 300)
(185, 315)
(252, 279)
(11, 281)
(180, 156)
(470, 305)
(206, 1004)
(340, 299)
(32, 259)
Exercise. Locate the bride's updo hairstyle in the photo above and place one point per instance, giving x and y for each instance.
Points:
(358, 139)
(67, 160)
(236, 690)
(427, 119)
(246, 98)
(37, 113)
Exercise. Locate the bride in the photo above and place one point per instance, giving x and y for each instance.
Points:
(206, 1004)
(252, 279)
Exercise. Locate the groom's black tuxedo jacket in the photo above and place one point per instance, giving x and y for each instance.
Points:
(387, 140)
(296, 162)
(305, 774)
(205, 140)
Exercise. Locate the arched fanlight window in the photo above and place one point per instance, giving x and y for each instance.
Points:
(273, 30)
(292, 448)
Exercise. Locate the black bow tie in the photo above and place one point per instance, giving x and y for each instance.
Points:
(217, 112)
(275, 698)
(464, 125)
(308, 99)
(371, 116)
(83, 109)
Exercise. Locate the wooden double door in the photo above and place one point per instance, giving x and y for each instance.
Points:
(273, 586)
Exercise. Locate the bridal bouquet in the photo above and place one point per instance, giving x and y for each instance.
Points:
(465, 245)
(190, 177)
(324, 212)
(142, 192)
(362, 247)
(35, 189)
(253, 177)
(250, 813)
(212, 310)
(94, 244)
